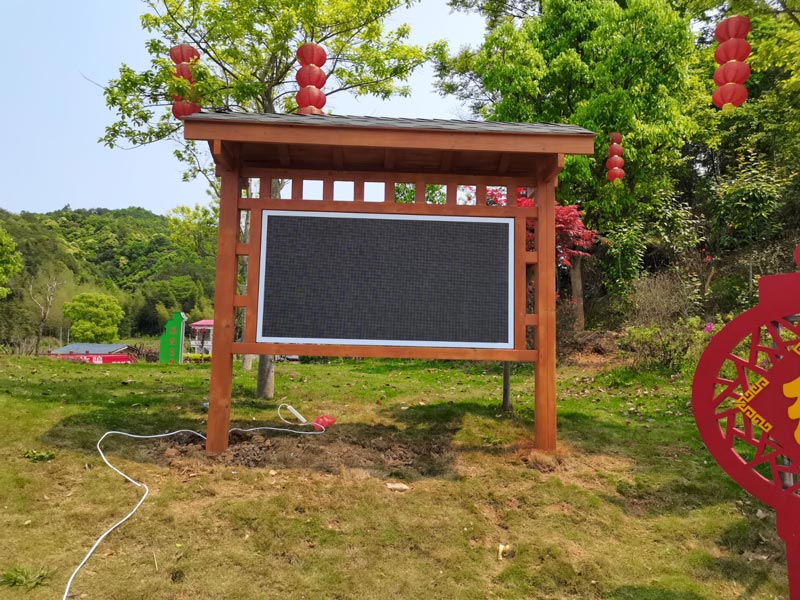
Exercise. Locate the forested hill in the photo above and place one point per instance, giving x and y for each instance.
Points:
(153, 264)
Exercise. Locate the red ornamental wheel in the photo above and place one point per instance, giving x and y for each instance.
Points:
(746, 402)
(744, 423)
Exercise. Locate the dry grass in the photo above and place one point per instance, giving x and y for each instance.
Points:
(630, 508)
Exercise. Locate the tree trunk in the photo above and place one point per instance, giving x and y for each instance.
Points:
(265, 388)
(247, 361)
(39, 333)
(507, 406)
(576, 282)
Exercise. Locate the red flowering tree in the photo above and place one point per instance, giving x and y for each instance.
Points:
(573, 239)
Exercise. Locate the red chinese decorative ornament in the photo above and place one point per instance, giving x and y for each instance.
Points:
(746, 402)
(311, 78)
(181, 108)
(733, 49)
(311, 75)
(615, 161)
(311, 54)
(731, 53)
(731, 93)
(310, 96)
(732, 72)
(732, 27)
(183, 53)
(184, 71)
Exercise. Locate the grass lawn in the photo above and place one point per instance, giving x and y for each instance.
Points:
(631, 508)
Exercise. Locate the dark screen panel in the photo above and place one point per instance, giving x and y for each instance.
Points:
(380, 279)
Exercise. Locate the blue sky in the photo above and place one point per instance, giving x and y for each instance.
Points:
(54, 115)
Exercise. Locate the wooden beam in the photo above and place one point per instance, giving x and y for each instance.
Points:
(369, 137)
(284, 157)
(219, 395)
(392, 207)
(447, 162)
(503, 164)
(226, 154)
(387, 351)
(338, 158)
(388, 159)
(545, 381)
(549, 168)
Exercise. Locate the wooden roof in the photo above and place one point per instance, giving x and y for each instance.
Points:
(380, 144)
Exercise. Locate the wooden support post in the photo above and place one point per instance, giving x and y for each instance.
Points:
(545, 392)
(219, 396)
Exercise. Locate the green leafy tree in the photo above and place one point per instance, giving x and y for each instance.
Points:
(95, 317)
(604, 65)
(248, 62)
(10, 261)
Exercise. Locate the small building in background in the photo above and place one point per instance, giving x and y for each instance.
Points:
(96, 354)
(200, 337)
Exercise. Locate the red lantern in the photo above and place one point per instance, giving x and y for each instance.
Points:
(730, 93)
(184, 71)
(310, 96)
(181, 109)
(309, 110)
(311, 54)
(311, 75)
(615, 173)
(615, 162)
(732, 27)
(183, 53)
(732, 49)
(732, 72)
(615, 150)
(616, 138)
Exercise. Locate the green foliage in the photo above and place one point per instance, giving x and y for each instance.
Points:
(95, 317)
(10, 261)
(39, 455)
(673, 347)
(605, 66)
(746, 207)
(247, 50)
(404, 193)
(22, 577)
(142, 258)
(635, 489)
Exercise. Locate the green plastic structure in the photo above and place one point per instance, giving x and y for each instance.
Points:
(171, 341)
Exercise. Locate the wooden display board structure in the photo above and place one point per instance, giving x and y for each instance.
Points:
(342, 173)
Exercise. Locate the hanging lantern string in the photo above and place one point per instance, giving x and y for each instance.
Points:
(183, 55)
(311, 77)
(731, 53)
(615, 161)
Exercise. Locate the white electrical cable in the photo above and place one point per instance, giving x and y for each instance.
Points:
(294, 411)
(147, 489)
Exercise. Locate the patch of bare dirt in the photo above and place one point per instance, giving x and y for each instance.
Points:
(380, 456)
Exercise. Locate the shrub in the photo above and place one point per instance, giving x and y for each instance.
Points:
(675, 348)
(662, 298)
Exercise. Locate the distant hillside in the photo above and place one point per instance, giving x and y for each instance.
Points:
(138, 256)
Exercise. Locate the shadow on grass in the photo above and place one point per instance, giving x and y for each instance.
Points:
(676, 485)
(420, 440)
(420, 444)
